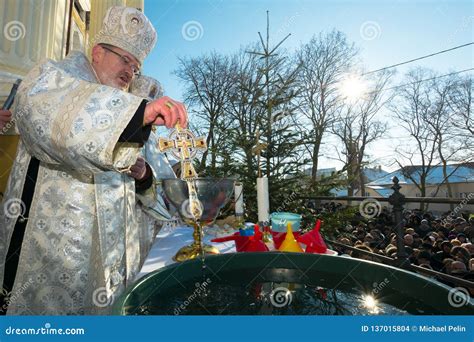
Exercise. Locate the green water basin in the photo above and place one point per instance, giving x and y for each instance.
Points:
(288, 284)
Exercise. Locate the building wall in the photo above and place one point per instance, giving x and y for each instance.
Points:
(31, 31)
(458, 190)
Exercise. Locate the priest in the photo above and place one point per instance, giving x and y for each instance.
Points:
(68, 233)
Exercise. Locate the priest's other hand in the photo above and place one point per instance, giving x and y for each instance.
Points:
(5, 117)
(166, 112)
(138, 170)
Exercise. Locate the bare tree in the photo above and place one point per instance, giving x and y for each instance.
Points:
(440, 123)
(236, 96)
(244, 109)
(414, 110)
(324, 60)
(358, 126)
(461, 103)
(449, 122)
(435, 113)
(208, 80)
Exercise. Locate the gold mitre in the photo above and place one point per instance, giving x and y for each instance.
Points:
(146, 87)
(128, 29)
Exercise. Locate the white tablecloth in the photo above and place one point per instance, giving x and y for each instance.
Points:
(169, 241)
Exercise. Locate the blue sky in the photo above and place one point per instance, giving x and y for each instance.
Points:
(387, 32)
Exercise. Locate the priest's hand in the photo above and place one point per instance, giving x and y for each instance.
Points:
(139, 169)
(5, 117)
(165, 112)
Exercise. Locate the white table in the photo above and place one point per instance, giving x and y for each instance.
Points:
(169, 241)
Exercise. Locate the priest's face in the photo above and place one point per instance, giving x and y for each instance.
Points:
(114, 67)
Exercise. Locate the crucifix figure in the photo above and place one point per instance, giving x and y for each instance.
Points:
(183, 145)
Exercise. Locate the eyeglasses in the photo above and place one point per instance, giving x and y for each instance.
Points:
(125, 60)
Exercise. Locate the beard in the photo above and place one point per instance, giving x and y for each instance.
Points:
(120, 80)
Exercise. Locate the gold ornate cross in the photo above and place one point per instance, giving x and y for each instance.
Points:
(183, 144)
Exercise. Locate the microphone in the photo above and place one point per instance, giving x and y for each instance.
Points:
(8, 103)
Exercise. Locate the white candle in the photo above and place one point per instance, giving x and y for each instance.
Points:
(239, 199)
(263, 200)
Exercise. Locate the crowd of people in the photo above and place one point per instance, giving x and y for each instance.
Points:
(443, 243)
